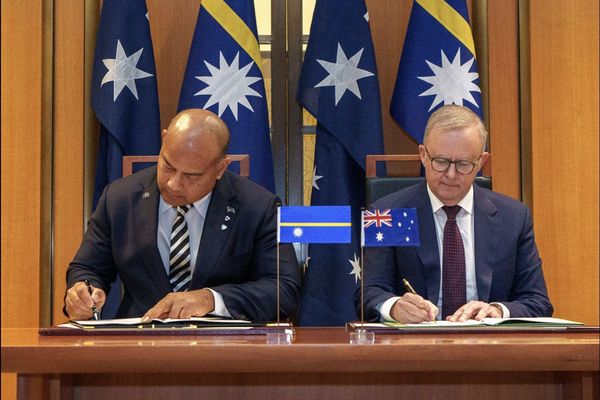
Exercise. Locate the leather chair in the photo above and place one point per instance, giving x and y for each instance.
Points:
(378, 187)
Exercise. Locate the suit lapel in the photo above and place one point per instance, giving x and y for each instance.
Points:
(221, 215)
(428, 251)
(145, 217)
(486, 237)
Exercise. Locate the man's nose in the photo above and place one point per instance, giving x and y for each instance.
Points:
(174, 182)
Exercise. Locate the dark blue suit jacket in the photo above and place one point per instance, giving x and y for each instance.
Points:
(508, 268)
(239, 261)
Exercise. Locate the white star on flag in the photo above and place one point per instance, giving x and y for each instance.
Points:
(379, 236)
(123, 72)
(315, 178)
(228, 85)
(343, 74)
(355, 268)
(298, 232)
(452, 82)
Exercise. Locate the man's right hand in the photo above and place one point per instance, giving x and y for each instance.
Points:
(79, 302)
(412, 309)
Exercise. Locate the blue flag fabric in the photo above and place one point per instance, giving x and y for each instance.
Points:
(391, 227)
(438, 65)
(124, 90)
(338, 85)
(124, 98)
(317, 224)
(224, 75)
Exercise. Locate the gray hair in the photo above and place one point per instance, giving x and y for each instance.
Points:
(451, 117)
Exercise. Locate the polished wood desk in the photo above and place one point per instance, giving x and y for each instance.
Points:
(319, 364)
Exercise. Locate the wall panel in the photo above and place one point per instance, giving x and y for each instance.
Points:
(564, 136)
(22, 72)
(69, 108)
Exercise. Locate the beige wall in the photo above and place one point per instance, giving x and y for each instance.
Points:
(563, 104)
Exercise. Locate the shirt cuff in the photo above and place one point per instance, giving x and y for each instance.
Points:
(505, 310)
(385, 308)
(220, 309)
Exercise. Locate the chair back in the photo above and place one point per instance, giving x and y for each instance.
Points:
(130, 161)
(377, 187)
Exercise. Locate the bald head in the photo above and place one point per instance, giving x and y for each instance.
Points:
(196, 127)
(192, 156)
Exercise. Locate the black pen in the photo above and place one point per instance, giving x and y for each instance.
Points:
(408, 286)
(94, 309)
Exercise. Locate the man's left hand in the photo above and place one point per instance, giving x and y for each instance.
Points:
(196, 303)
(477, 310)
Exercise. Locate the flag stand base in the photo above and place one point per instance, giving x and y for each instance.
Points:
(362, 336)
(282, 336)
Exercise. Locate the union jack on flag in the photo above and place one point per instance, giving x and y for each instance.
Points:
(391, 227)
(378, 218)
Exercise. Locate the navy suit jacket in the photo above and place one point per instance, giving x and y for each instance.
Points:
(238, 261)
(508, 268)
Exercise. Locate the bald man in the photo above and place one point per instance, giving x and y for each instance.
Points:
(187, 237)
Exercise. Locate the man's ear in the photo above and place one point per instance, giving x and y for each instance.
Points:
(484, 157)
(422, 154)
(222, 166)
(162, 135)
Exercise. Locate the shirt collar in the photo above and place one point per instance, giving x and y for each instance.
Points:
(466, 203)
(200, 205)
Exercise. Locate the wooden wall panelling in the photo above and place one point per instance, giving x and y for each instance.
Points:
(21, 126)
(564, 136)
(172, 26)
(503, 119)
(69, 105)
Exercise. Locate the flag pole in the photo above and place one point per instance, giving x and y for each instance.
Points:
(277, 263)
(362, 267)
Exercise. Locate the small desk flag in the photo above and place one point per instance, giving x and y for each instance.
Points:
(438, 65)
(391, 227)
(318, 224)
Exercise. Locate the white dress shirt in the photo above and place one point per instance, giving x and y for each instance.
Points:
(194, 218)
(466, 225)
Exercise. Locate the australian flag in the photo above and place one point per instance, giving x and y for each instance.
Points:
(124, 98)
(338, 85)
(391, 227)
(224, 75)
(124, 91)
(438, 65)
(316, 224)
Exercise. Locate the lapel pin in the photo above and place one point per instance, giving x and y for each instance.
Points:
(230, 210)
(223, 227)
(227, 218)
(146, 195)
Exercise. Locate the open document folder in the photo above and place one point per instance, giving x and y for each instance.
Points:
(191, 326)
(492, 324)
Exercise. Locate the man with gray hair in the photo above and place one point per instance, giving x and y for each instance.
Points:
(478, 256)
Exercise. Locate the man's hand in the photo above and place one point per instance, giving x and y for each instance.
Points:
(412, 309)
(78, 302)
(475, 310)
(196, 303)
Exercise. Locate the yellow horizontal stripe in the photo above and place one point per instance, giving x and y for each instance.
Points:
(236, 28)
(451, 20)
(315, 224)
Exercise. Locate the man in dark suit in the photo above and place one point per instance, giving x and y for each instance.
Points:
(478, 256)
(186, 237)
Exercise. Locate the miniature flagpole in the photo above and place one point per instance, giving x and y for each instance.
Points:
(362, 267)
(277, 263)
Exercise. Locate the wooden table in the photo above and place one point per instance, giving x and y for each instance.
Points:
(319, 364)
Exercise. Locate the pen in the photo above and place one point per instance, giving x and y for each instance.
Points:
(94, 309)
(408, 286)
